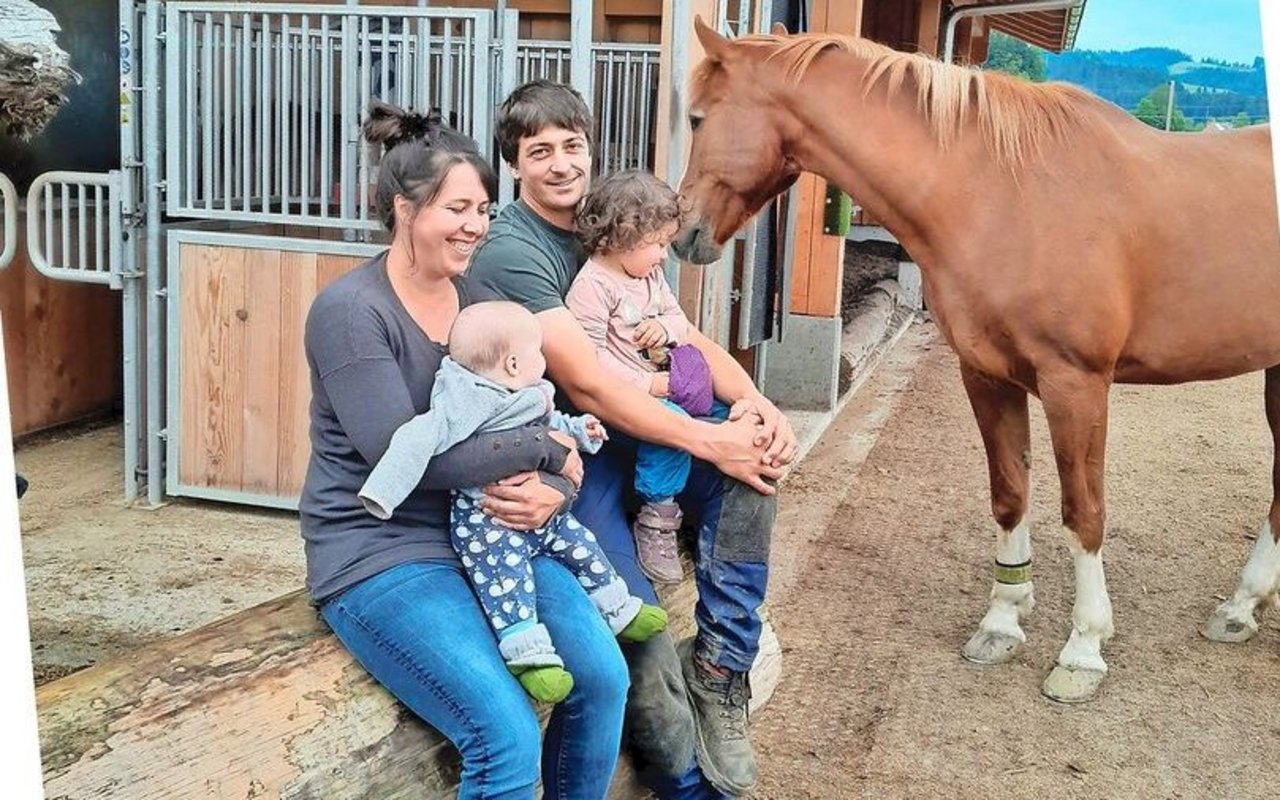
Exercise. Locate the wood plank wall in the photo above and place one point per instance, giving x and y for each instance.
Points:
(62, 346)
(244, 387)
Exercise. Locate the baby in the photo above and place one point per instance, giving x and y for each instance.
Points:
(492, 380)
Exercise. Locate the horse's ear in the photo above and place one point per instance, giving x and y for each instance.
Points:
(713, 44)
(778, 29)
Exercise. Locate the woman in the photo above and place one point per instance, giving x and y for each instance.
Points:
(393, 591)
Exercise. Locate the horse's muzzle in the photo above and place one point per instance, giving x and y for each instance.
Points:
(696, 244)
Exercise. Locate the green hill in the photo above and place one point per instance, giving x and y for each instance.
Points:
(1205, 88)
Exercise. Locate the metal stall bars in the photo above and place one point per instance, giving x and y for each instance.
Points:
(73, 226)
(263, 103)
(625, 100)
(130, 21)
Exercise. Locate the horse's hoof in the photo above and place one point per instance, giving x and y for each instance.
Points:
(988, 647)
(1222, 628)
(1072, 685)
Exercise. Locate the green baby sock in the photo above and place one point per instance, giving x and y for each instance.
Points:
(546, 684)
(651, 621)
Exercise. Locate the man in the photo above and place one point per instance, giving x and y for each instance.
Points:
(532, 256)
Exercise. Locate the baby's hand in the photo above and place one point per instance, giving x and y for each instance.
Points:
(650, 333)
(595, 429)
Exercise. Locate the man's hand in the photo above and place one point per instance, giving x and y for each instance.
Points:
(731, 447)
(650, 333)
(660, 384)
(572, 468)
(522, 502)
(774, 430)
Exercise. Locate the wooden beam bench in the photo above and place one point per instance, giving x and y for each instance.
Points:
(265, 704)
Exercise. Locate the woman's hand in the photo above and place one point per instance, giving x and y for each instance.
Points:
(572, 468)
(522, 502)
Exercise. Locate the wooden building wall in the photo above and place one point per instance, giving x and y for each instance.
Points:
(62, 345)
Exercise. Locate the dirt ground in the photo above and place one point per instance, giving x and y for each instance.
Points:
(875, 700)
(881, 569)
(102, 578)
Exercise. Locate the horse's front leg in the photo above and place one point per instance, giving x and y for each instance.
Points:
(1075, 405)
(1233, 621)
(1001, 411)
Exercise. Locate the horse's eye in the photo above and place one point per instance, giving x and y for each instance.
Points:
(694, 121)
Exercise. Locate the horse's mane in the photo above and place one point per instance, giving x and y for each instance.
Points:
(1017, 117)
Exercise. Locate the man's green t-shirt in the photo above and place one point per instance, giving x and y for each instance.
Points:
(527, 259)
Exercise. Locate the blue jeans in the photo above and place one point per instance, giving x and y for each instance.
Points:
(735, 524)
(661, 471)
(419, 631)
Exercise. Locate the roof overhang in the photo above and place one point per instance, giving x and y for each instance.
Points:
(1054, 30)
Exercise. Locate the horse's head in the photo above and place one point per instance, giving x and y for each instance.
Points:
(737, 161)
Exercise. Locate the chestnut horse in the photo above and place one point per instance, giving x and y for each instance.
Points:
(1064, 245)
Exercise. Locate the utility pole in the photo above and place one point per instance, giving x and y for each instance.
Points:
(1168, 112)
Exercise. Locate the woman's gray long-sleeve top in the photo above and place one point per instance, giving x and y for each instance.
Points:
(372, 370)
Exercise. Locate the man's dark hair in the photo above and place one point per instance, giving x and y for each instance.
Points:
(537, 105)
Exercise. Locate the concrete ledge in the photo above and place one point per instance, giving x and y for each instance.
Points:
(864, 343)
(801, 371)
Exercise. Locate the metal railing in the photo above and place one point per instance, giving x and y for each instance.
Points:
(624, 98)
(538, 58)
(73, 226)
(9, 199)
(264, 103)
(625, 104)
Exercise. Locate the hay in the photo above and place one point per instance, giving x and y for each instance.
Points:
(34, 71)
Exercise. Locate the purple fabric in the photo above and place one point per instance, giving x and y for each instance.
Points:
(690, 386)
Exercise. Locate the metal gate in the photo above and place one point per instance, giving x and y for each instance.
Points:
(9, 201)
(237, 116)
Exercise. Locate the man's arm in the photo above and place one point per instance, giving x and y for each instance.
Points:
(731, 383)
(729, 380)
(571, 365)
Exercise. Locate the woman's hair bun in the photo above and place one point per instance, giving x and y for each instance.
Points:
(391, 125)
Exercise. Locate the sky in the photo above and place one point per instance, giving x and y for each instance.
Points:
(1223, 29)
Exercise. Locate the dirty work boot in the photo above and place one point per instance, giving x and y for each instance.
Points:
(655, 534)
(546, 684)
(660, 725)
(720, 699)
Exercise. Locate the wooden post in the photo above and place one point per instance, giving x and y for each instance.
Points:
(681, 52)
(929, 36)
(818, 258)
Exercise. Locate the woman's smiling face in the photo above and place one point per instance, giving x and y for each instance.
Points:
(447, 230)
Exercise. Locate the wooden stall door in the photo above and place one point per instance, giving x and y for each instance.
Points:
(243, 386)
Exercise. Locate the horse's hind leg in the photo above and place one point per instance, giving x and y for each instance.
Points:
(1075, 405)
(1001, 411)
(1233, 620)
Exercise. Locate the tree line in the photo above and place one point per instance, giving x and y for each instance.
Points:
(1207, 90)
